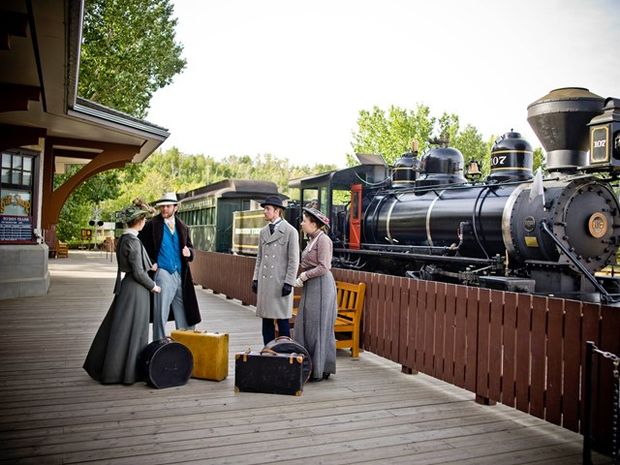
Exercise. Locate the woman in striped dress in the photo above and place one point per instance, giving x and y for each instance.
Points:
(314, 325)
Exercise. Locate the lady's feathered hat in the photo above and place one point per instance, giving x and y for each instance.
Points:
(137, 208)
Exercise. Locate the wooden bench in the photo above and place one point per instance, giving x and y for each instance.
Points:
(350, 300)
(62, 250)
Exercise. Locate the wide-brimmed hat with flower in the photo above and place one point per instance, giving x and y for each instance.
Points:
(320, 217)
(169, 198)
(135, 210)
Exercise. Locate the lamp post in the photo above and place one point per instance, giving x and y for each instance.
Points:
(97, 223)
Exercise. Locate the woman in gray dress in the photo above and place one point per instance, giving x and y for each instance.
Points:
(113, 355)
(314, 325)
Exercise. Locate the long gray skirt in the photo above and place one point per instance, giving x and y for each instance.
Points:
(314, 325)
(113, 355)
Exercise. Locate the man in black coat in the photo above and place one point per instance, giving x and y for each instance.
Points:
(167, 241)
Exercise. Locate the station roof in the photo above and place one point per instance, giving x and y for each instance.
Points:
(39, 58)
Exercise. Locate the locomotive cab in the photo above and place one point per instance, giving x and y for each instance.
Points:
(331, 193)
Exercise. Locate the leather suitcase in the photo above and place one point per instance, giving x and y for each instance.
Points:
(269, 372)
(210, 351)
(165, 363)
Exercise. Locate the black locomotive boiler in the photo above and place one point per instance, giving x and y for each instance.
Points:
(514, 230)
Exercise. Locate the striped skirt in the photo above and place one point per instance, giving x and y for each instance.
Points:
(314, 325)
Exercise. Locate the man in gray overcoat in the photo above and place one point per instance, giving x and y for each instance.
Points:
(276, 269)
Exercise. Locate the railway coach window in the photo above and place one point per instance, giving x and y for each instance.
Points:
(323, 200)
(341, 198)
(311, 195)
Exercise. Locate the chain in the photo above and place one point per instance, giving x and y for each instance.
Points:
(613, 357)
(615, 412)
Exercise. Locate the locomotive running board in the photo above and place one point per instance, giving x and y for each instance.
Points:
(427, 257)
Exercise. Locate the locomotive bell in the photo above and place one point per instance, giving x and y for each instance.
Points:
(511, 158)
(560, 120)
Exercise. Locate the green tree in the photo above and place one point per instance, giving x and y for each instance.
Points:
(128, 52)
(172, 170)
(79, 207)
(390, 134)
(470, 143)
(448, 128)
(540, 159)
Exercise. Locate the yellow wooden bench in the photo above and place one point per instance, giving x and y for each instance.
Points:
(62, 250)
(350, 299)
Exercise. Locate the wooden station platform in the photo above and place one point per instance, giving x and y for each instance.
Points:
(368, 413)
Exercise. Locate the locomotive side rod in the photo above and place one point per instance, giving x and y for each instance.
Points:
(604, 294)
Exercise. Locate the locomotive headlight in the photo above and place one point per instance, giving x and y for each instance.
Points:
(605, 137)
(599, 139)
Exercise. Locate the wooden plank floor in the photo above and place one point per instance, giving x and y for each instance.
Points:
(369, 412)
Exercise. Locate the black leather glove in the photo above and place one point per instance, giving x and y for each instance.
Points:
(286, 289)
(255, 286)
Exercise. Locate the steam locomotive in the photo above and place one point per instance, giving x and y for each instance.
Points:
(513, 230)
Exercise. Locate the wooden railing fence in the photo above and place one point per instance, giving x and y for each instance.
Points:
(524, 351)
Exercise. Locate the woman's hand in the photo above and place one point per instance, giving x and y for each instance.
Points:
(299, 282)
(156, 289)
(186, 252)
(154, 267)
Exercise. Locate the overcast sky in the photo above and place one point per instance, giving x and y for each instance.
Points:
(289, 77)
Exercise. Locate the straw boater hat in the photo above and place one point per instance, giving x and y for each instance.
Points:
(274, 201)
(320, 217)
(169, 198)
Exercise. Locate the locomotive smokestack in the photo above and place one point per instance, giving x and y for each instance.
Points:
(560, 120)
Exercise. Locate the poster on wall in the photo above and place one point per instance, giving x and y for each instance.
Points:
(15, 202)
(15, 219)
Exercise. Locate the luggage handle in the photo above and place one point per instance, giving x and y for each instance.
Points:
(293, 356)
(197, 331)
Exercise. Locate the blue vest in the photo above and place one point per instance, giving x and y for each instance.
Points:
(169, 253)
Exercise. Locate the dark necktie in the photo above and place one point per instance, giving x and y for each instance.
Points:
(272, 228)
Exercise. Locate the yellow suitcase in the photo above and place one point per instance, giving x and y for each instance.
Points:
(210, 351)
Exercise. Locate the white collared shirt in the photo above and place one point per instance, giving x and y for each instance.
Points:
(170, 223)
(276, 223)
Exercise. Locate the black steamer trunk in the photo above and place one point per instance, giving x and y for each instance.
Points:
(269, 372)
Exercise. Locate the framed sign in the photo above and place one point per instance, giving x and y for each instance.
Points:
(15, 229)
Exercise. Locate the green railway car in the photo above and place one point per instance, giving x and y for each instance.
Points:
(246, 229)
(208, 210)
